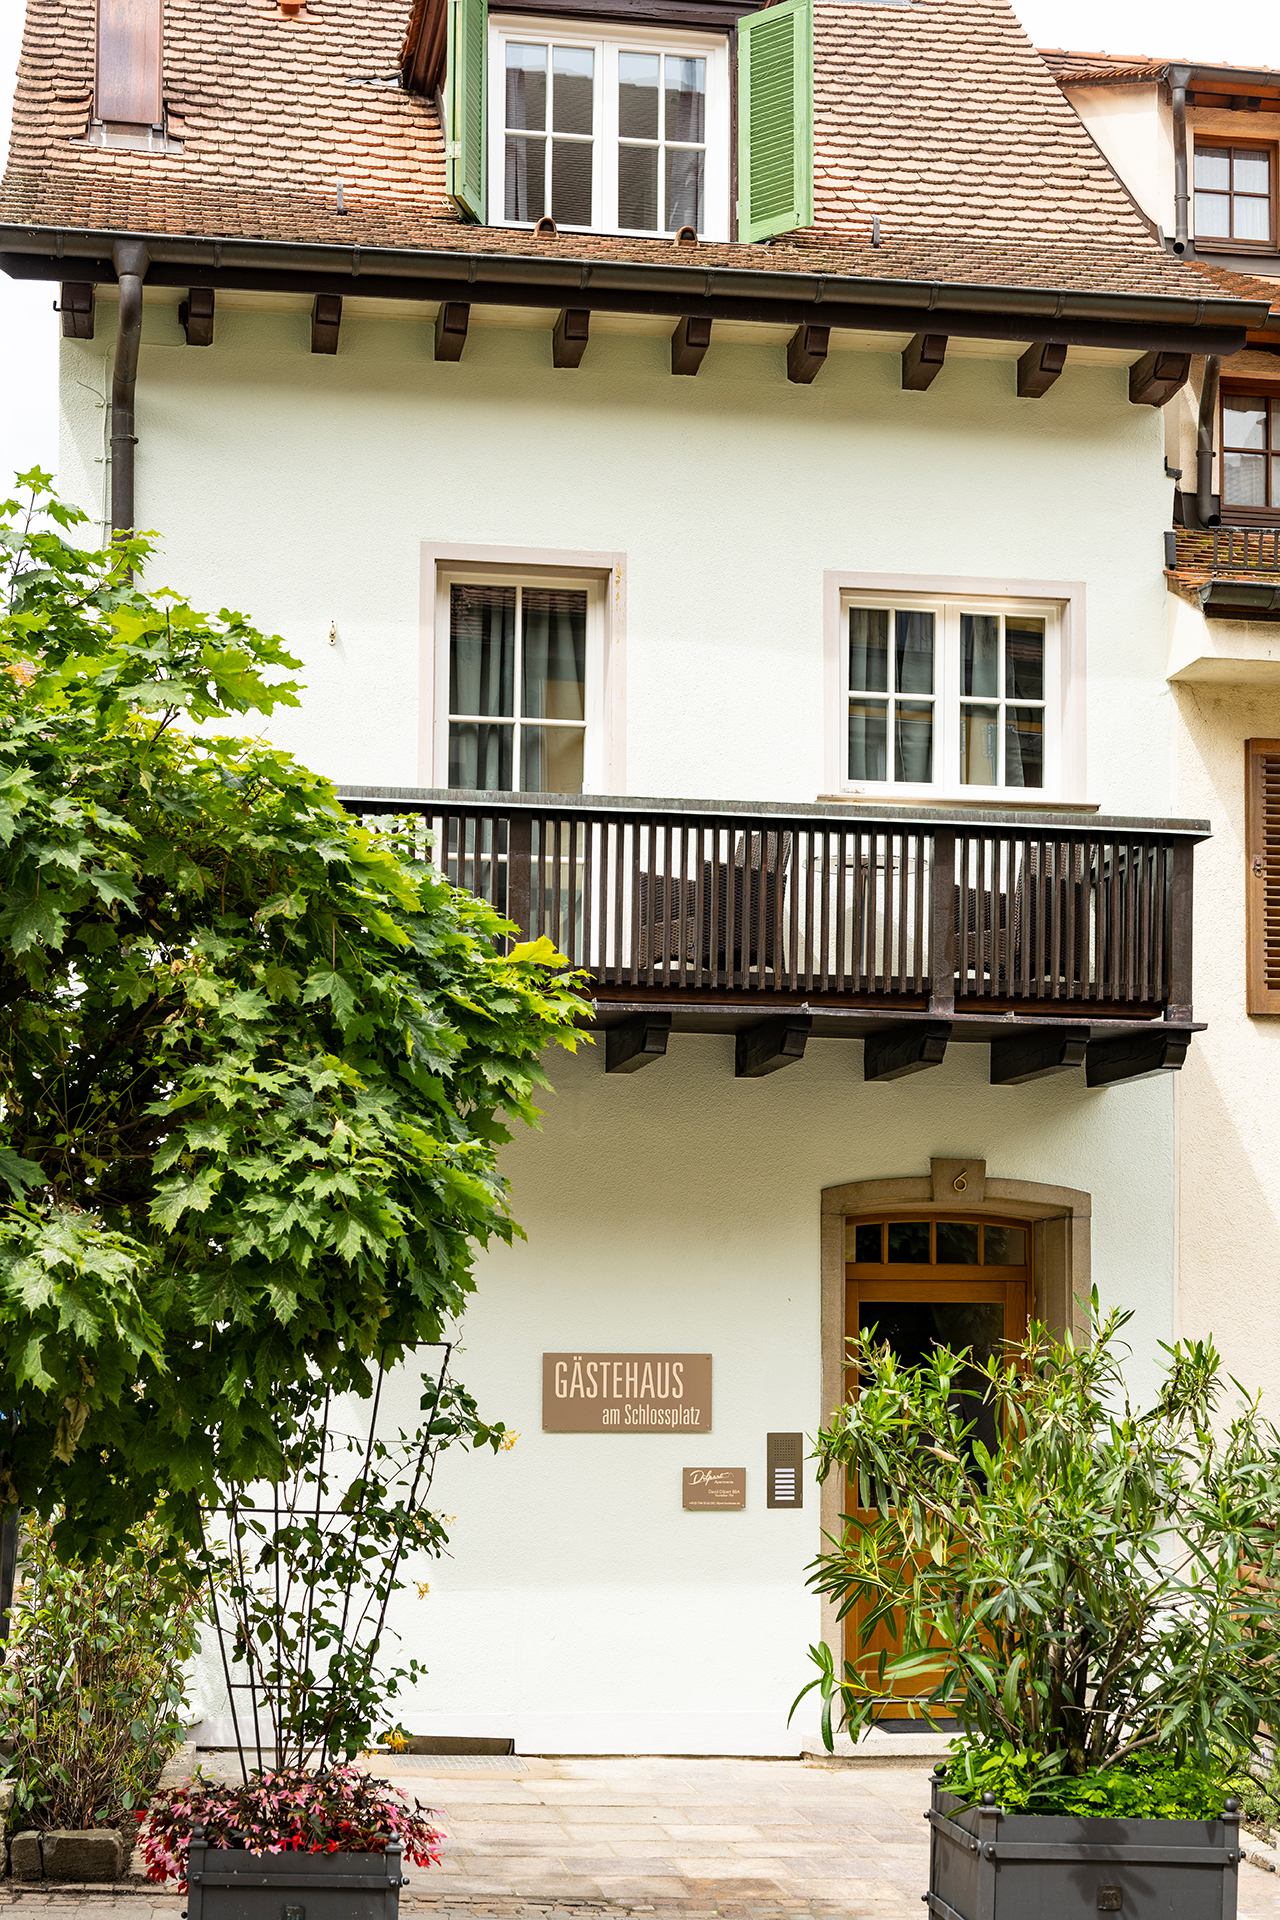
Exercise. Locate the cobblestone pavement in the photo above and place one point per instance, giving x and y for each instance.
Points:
(694, 1839)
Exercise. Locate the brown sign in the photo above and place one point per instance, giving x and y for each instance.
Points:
(715, 1489)
(626, 1393)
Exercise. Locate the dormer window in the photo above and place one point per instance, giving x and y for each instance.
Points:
(613, 132)
(621, 127)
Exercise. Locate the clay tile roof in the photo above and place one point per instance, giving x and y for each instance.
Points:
(1242, 286)
(938, 117)
(1081, 69)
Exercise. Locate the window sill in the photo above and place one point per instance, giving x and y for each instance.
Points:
(1256, 249)
(1015, 799)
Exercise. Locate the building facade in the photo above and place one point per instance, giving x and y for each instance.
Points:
(643, 401)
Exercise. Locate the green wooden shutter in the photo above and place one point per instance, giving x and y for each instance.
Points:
(467, 100)
(775, 120)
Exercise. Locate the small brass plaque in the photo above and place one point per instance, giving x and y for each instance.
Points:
(626, 1393)
(715, 1489)
(1110, 1899)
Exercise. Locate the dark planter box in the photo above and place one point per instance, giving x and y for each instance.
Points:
(224, 1884)
(989, 1865)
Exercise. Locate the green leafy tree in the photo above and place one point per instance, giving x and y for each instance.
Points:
(1100, 1587)
(256, 1060)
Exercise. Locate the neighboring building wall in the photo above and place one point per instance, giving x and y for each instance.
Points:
(1133, 128)
(300, 488)
(1229, 1092)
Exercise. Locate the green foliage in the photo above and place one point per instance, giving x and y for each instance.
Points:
(256, 1061)
(1104, 1585)
(1146, 1786)
(92, 1691)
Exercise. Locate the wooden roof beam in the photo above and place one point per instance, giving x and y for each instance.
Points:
(1035, 1055)
(1039, 367)
(195, 317)
(1131, 1055)
(807, 354)
(569, 337)
(452, 321)
(1155, 378)
(922, 360)
(689, 343)
(326, 322)
(634, 1043)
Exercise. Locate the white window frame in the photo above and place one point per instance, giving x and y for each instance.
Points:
(608, 41)
(601, 576)
(1060, 605)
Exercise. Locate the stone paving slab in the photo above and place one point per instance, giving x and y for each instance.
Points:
(638, 1839)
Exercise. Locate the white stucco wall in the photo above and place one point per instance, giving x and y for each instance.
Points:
(300, 488)
(1229, 1096)
(1133, 127)
(677, 1209)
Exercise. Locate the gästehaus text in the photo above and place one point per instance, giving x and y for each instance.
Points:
(626, 1392)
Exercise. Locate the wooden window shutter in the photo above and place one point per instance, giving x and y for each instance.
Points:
(775, 120)
(1262, 880)
(467, 104)
(128, 81)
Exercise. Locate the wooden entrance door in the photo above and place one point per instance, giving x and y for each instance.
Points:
(923, 1282)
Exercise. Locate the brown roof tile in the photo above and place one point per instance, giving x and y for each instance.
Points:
(939, 118)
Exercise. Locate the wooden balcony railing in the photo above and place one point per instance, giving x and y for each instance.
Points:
(1073, 916)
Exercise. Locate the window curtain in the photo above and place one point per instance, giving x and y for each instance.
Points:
(482, 647)
(553, 688)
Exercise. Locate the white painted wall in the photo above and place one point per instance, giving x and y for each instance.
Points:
(1133, 127)
(1229, 1171)
(675, 1210)
(300, 487)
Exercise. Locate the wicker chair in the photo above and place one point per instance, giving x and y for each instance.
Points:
(718, 943)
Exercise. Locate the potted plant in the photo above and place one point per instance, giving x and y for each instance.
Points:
(1093, 1599)
(300, 1575)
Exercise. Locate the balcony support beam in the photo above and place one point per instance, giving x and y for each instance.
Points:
(898, 1051)
(635, 1043)
(689, 343)
(1034, 1056)
(922, 360)
(773, 1044)
(569, 336)
(807, 354)
(1130, 1056)
(1039, 367)
(453, 317)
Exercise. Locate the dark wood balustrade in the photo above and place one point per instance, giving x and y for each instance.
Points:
(726, 915)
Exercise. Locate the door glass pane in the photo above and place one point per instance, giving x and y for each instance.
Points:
(1023, 659)
(979, 746)
(914, 1328)
(909, 1242)
(862, 1243)
(685, 171)
(551, 759)
(573, 90)
(1253, 218)
(1244, 479)
(1024, 746)
(1213, 215)
(1004, 1246)
(913, 740)
(1253, 170)
(1213, 169)
(554, 672)
(637, 96)
(480, 755)
(868, 740)
(526, 87)
(686, 100)
(1244, 420)
(869, 649)
(526, 182)
(957, 1243)
(638, 188)
(571, 183)
(482, 651)
(914, 635)
(980, 654)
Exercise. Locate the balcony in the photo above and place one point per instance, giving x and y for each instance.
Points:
(1224, 605)
(1061, 940)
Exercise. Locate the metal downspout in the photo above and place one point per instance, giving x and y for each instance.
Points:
(131, 262)
(1207, 514)
(1179, 80)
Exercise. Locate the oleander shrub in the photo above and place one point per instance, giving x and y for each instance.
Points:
(93, 1690)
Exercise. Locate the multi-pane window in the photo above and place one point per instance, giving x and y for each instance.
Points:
(1234, 189)
(616, 131)
(517, 688)
(1251, 450)
(949, 696)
